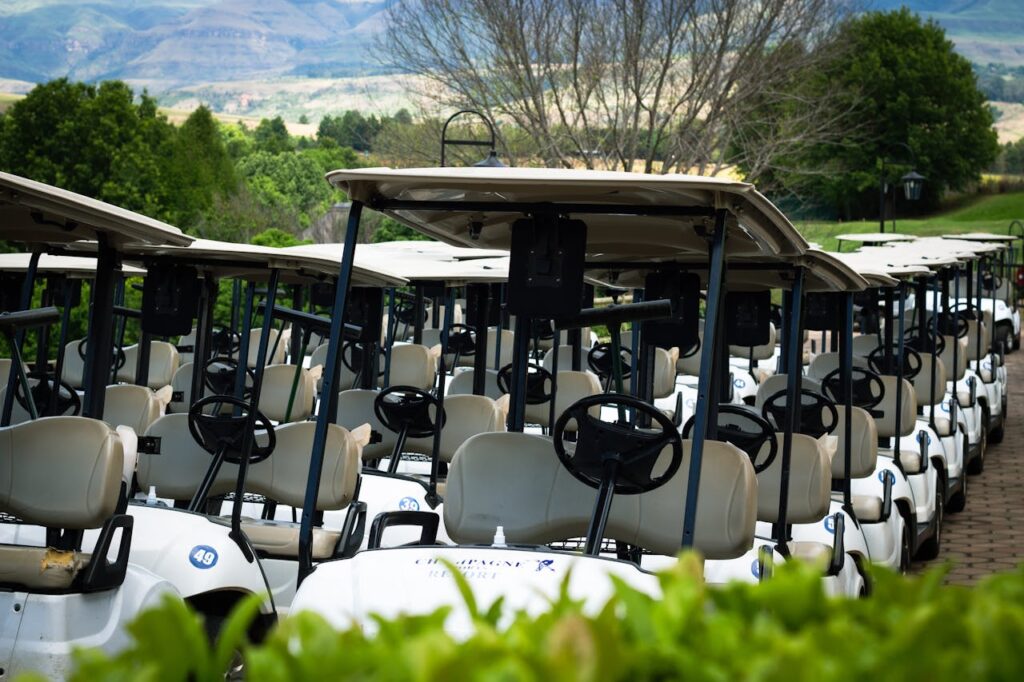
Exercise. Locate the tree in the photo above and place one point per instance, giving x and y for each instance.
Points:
(351, 129)
(906, 86)
(272, 136)
(91, 139)
(651, 85)
(199, 167)
(292, 182)
(277, 238)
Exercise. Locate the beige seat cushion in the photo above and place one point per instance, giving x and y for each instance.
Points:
(515, 480)
(179, 468)
(163, 363)
(864, 444)
(565, 358)
(465, 416)
(910, 460)
(355, 408)
(280, 538)
(60, 472)
(868, 508)
(886, 421)
(864, 344)
(133, 406)
(73, 369)
(810, 483)
(778, 382)
(346, 378)
(274, 356)
(810, 551)
(572, 386)
(276, 392)
(40, 568)
(181, 383)
(927, 392)
(462, 384)
(943, 426)
(412, 365)
(954, 373)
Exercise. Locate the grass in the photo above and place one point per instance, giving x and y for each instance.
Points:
(987, 213)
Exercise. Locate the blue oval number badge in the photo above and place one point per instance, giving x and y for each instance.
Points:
(408, 504)
(203, 556)
(830, 524)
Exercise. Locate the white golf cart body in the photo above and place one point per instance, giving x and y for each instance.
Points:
(49, 607)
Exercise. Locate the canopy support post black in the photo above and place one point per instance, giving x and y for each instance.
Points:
(706, 413)
(328, 404)
(520, 358)
(794, 380)
(846, 383)
(27, 287)
(99, 349)
(478, 300)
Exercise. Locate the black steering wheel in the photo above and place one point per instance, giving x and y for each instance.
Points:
(745, 429)
(625, 452)
(117, 353)
(67, 401)
(219, 376)
(225, 341)
(924, 343)
(911, 361)
(692, 350)
(218, 431)
(352, 356)
(462, 340)
(867, 387)
(601, 358)
(812, 406)
(405, 311)
(959, 328)
(408, 408)
(538, 382)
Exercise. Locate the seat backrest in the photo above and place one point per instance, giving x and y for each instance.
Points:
(465, 416)
(276, 392)
(429, 337)
(73, 370)
(181, 383)
(822, 365)
(188, 340)
(954, 373)
(508, 339)
(163, 363)
(462, 384)
(926, 392)
(810, 483)
(885, 411)
(864, 344)
(355, 408)
(284, 474)
(972, 338)
(571, 387)
(60, 472)
(779, 382)
(179, 468)
(133, 406)
(564, 358)
(515, 480)
(412, 365)
(863, 441)
(274, 356)
(763, 352)
(346, 377)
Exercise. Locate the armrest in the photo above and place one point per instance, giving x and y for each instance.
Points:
(427, 521)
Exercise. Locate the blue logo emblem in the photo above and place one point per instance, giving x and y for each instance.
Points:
(739, 383)
(545, 564)
(203, 556)
(408, 504)
(830, 524)
(755, 568)
(886, 474)
(945, 407)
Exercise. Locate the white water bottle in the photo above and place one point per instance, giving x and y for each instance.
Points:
(499, 537)
(151, 500)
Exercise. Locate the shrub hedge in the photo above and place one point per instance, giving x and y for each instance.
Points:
(786, 629)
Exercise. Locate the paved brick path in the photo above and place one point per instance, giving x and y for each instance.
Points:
(988, 536)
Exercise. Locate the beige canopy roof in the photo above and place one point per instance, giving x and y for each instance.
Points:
(756, 227)
(983, 237)
(81, 267)
(877, 268)
(227, 259)
(434, 249)
(823, 272)
(874, 237)
(34, 212)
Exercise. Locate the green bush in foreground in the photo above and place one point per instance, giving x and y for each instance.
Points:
(784, 629)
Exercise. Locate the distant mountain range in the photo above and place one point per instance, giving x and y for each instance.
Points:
(294, 57)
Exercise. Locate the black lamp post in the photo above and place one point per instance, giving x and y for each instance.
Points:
(912, 182)
(491, 161)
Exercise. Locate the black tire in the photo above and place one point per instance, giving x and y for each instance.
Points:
(933, 545)
(906, 549)
(977, 465)
(958, 502)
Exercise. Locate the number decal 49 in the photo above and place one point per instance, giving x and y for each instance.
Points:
(203, 556)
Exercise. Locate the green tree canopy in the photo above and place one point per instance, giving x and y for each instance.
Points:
(91, 139)
(272, 136)
(199, 167)
(902, 84)
(292, 181)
